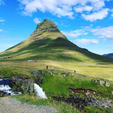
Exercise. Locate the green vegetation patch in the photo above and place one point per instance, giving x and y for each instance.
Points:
(90, 109)
(58, 85)
(9, 72)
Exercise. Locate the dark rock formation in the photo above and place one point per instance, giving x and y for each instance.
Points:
(23, 84)
(38, 76)
(81, 102)
(46, 26)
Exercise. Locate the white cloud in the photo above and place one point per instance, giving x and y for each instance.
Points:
(36, 20)
(66, 7)
(80, 9)
(96, 15)
(1, 30)
(61, 8)
(75, 33)
(106, 32)
(86, 41)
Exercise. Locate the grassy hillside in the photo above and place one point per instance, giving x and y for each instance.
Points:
(48, 43)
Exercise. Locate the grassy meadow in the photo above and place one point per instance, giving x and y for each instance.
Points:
(86, 72)
(90, 70)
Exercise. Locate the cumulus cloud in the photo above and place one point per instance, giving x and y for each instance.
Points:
(61, 8)
(86, 41)
(96, 15)
(106, 32)
(36, 20)
(75, 33)
(66, 7)
(80, 9)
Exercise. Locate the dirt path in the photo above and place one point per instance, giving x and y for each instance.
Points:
(11, 105)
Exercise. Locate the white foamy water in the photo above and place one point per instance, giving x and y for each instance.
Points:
(39, 91)
(4, 87)
(7, 89)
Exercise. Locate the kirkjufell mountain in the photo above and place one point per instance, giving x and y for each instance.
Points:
(48, 43)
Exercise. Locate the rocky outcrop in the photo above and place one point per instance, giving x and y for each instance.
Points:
(38, 76)
(89, 100)
(46, 26)
(102, 82)
(23, 84)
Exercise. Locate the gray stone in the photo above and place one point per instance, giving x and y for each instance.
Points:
(100, 82)
(64, 75)
(107, 84)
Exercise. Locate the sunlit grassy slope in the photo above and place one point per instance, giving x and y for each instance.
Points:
(48, 46)
(48, 43)
(52, 46)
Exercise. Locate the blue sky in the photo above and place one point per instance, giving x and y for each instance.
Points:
(87, 23)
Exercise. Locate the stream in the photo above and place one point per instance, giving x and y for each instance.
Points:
(5, 88)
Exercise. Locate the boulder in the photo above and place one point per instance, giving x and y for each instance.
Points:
(107, 84)
(64, 75)
(100, 82)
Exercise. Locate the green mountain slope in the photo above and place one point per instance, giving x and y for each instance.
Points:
(48, 43)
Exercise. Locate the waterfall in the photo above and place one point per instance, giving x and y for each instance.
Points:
(4, 86)
(7, 90)
(39, 91)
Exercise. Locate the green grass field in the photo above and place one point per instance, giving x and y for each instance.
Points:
(104, 71)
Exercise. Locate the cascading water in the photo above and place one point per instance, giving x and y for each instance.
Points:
(4, 87)
(39, 91)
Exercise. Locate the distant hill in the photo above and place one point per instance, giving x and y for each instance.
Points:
(48, 43)
(110, 55)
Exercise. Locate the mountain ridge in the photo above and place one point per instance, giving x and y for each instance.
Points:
(110, 55)
(48, 43)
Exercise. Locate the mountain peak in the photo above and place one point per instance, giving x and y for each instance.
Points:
(46, 26)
